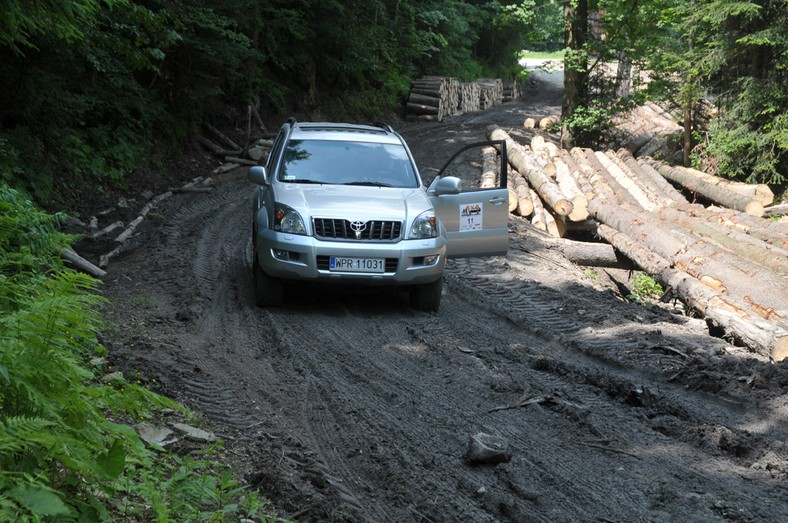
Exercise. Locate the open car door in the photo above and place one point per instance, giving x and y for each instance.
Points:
(476, 221)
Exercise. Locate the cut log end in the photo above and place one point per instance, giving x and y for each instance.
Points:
(754, 208)
(563, 207)
(780, 349)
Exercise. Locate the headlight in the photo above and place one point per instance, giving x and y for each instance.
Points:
(287, 220)
(424, 226)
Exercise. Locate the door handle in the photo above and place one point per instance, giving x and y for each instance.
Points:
(498, 200)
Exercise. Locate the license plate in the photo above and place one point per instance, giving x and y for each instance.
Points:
(337, 263)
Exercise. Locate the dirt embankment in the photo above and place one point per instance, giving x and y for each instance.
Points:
(354, 407)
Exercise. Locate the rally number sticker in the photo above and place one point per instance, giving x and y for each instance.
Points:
(471, 217)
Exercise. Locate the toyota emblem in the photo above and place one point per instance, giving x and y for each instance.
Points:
(358, 227)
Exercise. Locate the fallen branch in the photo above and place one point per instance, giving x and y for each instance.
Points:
(106, 230)
(80, 263)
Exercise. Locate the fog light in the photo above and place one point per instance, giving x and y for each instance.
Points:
(281, 254)
(431, 260)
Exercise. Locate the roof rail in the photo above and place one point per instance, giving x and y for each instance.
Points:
(292, 120)
(383, 125)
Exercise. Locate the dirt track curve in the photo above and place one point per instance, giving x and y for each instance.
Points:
(348, 406)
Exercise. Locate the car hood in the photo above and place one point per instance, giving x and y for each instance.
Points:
(354, 202)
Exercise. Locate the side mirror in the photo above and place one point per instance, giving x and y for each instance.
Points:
(257, 175)
(447, 185)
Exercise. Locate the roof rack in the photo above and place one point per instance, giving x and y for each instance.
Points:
(292, 120)
(354, 128)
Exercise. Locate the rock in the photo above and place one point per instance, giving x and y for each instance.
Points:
(194, 433)
(486, 449)
(155, 434)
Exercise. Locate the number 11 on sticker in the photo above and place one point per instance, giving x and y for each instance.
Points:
(471, 217)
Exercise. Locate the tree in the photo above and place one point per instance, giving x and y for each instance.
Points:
(575, 67)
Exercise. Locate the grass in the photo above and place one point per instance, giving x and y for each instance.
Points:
(555, 55)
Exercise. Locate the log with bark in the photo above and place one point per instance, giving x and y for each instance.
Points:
(522, 192)
(755, 289)
(567, 182)
(587, 254)
(625, 181)
(768, 256)
(538, 219)
(489, 176)
(710, 191)
(524, 162)
(645, 185)
(665, 192)
(761, 291)
(80, 263)
(228, 142)
(759, 192)
(776, 210)
(579, 175)
(764, 337)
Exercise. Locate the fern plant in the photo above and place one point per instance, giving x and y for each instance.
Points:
(62, 455)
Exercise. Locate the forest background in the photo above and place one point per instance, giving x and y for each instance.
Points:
(99, 94)
(97, 91)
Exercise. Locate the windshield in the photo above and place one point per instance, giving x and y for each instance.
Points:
(347, 163)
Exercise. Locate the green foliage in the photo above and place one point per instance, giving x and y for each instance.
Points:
(61, 455)
(645, 289)
(22, 21)
(735, 52)
(93, 90)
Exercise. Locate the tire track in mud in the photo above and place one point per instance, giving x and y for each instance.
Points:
(600, 404)
(206, 267)
(219, 402)
(378, 401)
(542, 311)
(646, 387)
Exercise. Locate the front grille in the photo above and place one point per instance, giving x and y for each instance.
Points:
(373, 230)
(323, 263)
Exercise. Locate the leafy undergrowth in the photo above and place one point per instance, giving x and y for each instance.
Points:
(66, 450)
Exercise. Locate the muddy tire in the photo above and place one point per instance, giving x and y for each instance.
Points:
(427, 297)
(268, 291)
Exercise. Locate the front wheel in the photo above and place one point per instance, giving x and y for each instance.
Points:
(268, 291)
(427, 297)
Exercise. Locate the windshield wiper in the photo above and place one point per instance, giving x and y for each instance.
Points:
(369, 184)
(303, 180)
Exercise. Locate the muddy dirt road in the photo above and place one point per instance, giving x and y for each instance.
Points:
(348, 406)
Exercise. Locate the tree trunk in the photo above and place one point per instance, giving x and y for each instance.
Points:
(575, 68)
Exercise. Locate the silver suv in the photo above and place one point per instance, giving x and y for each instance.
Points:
(344, 203)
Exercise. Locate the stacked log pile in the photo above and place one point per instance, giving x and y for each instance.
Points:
(469, 97)
(432, 98)
(646, 130)
(511, 90)
(490, 92)
(724, 260)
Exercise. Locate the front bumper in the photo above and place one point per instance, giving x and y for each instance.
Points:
(296, 257)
